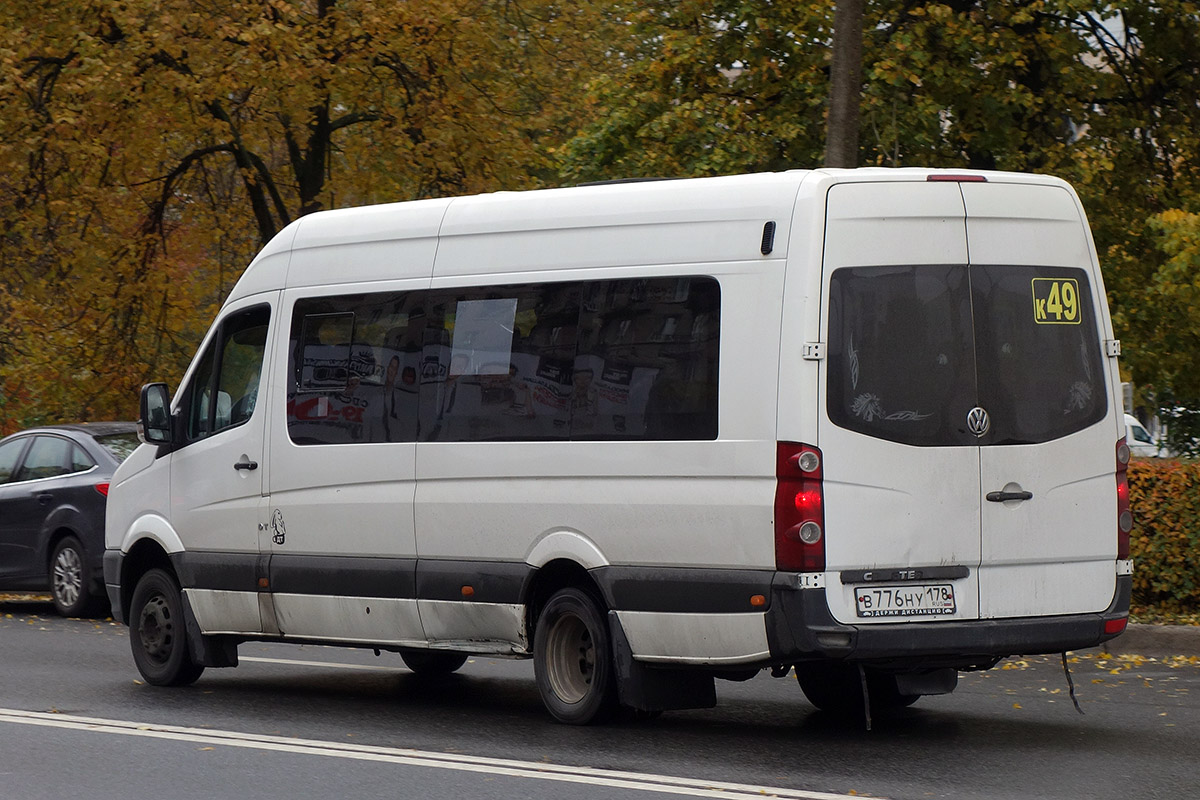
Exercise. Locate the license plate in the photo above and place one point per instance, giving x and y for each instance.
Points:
(904, 601)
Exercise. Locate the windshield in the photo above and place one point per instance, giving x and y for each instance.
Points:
(913, 349)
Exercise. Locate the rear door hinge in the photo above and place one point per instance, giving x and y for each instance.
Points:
(813, 351)
(1112, 347)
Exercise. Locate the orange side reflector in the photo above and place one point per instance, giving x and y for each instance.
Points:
(467, 591)
(758, 600)
(263, 583)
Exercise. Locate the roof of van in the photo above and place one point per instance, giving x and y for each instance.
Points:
(690, 220)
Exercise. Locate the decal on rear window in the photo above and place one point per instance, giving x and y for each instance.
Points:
(1056, 301)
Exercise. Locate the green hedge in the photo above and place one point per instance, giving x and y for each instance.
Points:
(1165, 546)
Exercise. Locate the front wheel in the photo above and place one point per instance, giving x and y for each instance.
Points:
(573, 659)
(157, 632)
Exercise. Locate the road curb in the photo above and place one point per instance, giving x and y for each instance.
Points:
(1154, 641)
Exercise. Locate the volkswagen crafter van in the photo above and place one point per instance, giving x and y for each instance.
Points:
(863, 424)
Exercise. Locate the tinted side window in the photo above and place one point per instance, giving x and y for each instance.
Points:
(354, 369)
(1041, 372)
(526, 362)
(48, 457)
(80, 461)
(648, 360)
(504, 358)
(9, 453)
(901, 353)
(228, 370)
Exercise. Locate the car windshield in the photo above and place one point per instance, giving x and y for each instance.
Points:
(119, 444)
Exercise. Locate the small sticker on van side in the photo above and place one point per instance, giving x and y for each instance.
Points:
(1056, 301)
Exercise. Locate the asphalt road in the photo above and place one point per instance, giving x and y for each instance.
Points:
(318, 722)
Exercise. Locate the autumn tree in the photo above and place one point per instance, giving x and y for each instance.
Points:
(151, 147)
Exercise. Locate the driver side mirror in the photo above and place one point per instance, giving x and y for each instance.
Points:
(154, 423)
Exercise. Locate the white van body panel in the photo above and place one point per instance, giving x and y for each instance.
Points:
(619, 225)
(226, 612)
(1043, 556)
(718, 639)
(359, 620)
(565, 544)
(382, 243)
(350, 502)
(474, 627)
(889, 505)
(911, 223)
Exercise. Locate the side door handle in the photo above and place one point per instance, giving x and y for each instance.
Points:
(44, 498)
(246, 465)
(1000, 497)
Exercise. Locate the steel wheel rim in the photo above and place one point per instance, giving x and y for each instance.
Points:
(570, 659)
(68, 576)
(156, 630)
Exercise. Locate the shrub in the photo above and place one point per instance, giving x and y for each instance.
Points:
(1165, 498)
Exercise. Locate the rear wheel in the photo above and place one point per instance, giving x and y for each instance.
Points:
(432, 662)
(836, 687)
(158, 634)
(573, 660)
(68, 582)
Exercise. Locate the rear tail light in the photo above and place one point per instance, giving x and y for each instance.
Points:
(102, 488)
(1124, 515)
(799, 509)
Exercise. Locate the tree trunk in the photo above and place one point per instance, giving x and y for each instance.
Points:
(845, 85)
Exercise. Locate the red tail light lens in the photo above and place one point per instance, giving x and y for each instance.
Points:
(102, 488)
(799, 508)
(1124, 514)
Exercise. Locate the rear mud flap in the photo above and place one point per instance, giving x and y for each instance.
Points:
(652, 689)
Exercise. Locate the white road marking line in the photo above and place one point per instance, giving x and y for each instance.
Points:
(420, 758)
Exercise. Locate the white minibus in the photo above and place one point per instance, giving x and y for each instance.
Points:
(863, 426)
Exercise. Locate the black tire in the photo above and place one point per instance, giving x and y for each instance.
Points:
(573, 659)
(432, 663)
(158, 634)
(68, 579)
(836, 687)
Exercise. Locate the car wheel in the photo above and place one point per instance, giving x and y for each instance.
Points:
(432, 662)
(157, 633)
(68, 585)
(572, 659)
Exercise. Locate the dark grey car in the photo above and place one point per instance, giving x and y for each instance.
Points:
(53, 489)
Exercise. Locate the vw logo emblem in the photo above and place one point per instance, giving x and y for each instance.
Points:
(978, 421)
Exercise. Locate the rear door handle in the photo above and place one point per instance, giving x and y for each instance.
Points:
(246, 465)
(1000, 497)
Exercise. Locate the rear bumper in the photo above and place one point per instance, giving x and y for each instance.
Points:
(800, 627)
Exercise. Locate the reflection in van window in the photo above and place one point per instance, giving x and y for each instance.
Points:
(1040, 365)
(354, 369)
(901, 360)
(229, 369)
(913, 349)
(527, 362)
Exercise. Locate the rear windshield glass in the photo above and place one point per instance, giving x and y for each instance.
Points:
(912, 350)
(119, 444)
